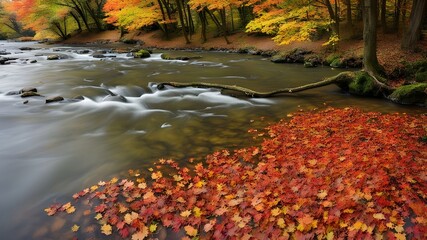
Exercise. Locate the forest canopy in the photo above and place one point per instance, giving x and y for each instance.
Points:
(285, 21)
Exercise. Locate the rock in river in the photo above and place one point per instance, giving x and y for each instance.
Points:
(30, 94)
(53, 57)
(54, 99)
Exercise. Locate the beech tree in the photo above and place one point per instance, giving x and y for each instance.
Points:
(412, 35)
(370, 60)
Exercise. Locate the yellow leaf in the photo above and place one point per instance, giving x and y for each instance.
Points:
(156, 175)
(348, 210)
(177, 178)
(106, 229)
(379, 216)
(399, 228)
(98, 216)
(400, 236)
(285, 210)
(186, 213)
(197, 212)
(357, 225)
(153, 227)
(93, 188)
(114, 180)
(200, 184)
(71, 209)
(330, 236)
(191, 231)
(322, 194)
(275, 212)
(75, 228)
(390, 225)
(236, 218)
(141, 235)
(180, 200)
(281, 223)
(129, 217)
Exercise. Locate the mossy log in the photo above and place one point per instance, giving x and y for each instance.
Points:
(343, 79)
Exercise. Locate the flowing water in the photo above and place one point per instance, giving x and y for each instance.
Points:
(50, 151)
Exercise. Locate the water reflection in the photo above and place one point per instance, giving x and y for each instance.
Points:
(49, 152)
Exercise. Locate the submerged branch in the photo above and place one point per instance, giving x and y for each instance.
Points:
(341, 78)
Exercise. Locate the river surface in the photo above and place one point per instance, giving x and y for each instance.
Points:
(50, 151)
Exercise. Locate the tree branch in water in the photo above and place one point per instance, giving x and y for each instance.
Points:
(343, 78)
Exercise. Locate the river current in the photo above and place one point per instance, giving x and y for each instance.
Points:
(50, 151)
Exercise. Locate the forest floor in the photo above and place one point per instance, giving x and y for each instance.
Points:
(390, 55)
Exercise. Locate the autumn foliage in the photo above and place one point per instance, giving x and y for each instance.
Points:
(333, 174)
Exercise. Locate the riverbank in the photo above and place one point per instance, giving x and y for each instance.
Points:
(389, 53)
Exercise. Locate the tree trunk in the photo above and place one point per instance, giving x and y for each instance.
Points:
(383, 16)
(203, 20)
(79, 25)
(181, 19)
(370, 61)
(349, 15)
(396, 19)
(333, 15)
(413, 33)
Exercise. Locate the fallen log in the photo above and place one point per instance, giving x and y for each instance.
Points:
(343, 78)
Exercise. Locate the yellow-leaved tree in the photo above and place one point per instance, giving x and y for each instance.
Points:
(289, 21)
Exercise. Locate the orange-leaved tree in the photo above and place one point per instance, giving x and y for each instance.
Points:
(132, 14)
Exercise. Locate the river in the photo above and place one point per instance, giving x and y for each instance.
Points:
(50, 151)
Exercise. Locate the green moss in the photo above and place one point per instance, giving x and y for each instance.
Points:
(142, 54)
(363, 85)
(337, 63)
(421, 76)
(165, 56)
(330, 58)
(410, 94)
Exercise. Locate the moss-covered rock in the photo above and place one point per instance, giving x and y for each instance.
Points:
(331, 57)
(411, 94)
(338, 63)
(166, 56)
(421, 77)
(142, 54)
(363, 85)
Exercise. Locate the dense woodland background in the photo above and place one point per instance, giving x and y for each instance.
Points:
(285, 21)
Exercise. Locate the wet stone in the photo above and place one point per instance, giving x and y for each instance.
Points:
(28, 89)
(54, 99)
(53, 57)
(30, 94)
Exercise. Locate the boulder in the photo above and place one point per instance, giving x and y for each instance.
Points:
(6, 60)
(410, 94)
(27, 48)
(28, 89)
(53, 57)
(54, 99)
(142, 54)
(183, 58)
(83, 51)
(99, 56)
(30, 94)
